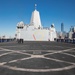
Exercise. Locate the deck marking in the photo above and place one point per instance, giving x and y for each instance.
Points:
(4, 64)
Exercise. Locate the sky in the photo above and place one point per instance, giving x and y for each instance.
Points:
(51, 11)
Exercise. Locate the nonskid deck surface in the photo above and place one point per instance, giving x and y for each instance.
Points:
(37, 58)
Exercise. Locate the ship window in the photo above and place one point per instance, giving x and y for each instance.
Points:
(20, 27)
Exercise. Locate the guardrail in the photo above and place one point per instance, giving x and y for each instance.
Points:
(5, 40)
(66, 40)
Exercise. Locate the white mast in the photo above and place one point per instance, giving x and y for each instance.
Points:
(35, 19)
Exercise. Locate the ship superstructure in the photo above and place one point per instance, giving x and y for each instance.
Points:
(35, 31)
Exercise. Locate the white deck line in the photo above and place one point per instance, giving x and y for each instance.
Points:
(39, 70)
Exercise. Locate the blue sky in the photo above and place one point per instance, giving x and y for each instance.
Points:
(51, 11)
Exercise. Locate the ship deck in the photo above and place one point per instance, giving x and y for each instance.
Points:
(37, 58)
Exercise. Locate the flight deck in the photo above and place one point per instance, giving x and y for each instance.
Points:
(37, 58)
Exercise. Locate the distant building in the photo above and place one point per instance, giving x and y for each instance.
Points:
(73, 36)
(71, 33)
(62, 27)
(61, 35)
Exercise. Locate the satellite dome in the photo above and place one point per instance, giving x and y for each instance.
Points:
(20, 23)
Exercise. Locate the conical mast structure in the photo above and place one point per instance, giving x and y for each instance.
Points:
(35, 19)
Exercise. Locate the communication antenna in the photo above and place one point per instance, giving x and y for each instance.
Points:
(35, 6)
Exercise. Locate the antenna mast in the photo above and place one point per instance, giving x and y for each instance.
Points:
(35, 6)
